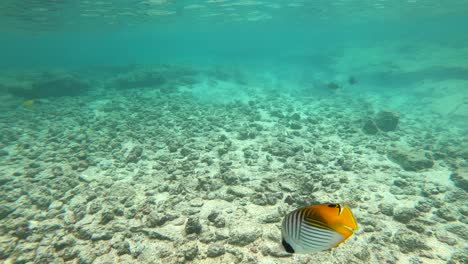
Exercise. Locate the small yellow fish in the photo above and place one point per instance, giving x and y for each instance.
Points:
(28, 103)
(317, 227)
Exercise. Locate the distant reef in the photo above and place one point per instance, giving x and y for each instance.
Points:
(48, 85)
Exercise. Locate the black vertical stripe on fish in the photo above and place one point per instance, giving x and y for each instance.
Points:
(287, 246)
(293, 221)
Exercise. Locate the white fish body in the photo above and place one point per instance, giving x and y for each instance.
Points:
(316, 228)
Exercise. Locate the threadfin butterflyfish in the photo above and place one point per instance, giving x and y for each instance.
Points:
(317, 227)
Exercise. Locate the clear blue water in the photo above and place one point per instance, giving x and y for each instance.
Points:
(56, 34)
(184, 131)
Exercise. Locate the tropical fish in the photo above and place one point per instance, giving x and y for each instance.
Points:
(333, 86)
(28, 103)
(317, 227)
(352, 80)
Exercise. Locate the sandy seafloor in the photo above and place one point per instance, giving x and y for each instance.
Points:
(201, 166)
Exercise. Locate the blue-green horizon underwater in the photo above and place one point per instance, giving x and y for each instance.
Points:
(163, 131)
(156, 42)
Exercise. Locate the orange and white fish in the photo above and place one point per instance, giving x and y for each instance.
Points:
(317, 227)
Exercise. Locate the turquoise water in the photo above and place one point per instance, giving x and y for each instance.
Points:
(166, 131)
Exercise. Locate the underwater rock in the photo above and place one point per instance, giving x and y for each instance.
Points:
(277, 113)
(274, 252)
(106, 217)
(243, 236)
(185, 151)
(152, 234)
(22, 230)
(433, 189)
(5, 210)
(165, 78)
(81, 155)
(82, 165)
(34, 165)
(213, 216)
(271, 218)
(101, 236)
(417, 227)
(172, 147)
(215, 250)
(459, 230)
(222, 151)
(363, 255)
(370, 127)
(222, 138)
(154, 219)
(122, 247)
(57, 171)
(297, 200)
(31, 173)
(211, 237)
(3, 153)
(455, 195)
(64, 242)
(281, 149)
(239, 191)
(42, 201)
(94, 207)
(230, 178)
(52, 86)
(405, 215)
(295, 117)
(423, 206)
(454, 150)
(134, 154)
(446, 213)
(247, 133)
(218, 221)
(6, 249)
(250, 155)
(444, 237)
(346, 163)
(5, 180)
(190, 252)
(411, 160)
(48, 226)
(193, 226)
(401, 183)
(69, 253)
(459, 257)
(386, 209)
(265, 198)
(460, 178)
(295, 125)
(409, 241)
(387, 121)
